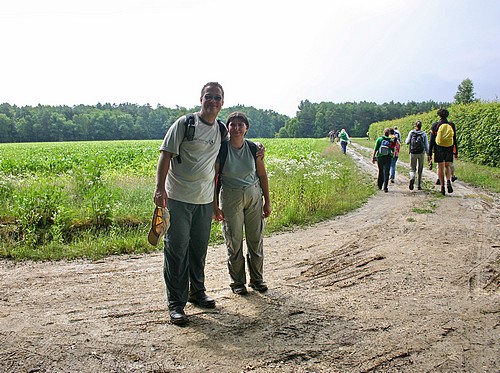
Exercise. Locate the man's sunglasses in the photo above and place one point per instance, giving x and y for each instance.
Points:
(209, 97)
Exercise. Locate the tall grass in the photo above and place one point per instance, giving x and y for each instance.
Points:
(93, 199)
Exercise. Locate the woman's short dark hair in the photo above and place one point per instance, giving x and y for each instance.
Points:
(418, 124)
(237, 115)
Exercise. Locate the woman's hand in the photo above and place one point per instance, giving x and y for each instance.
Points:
(266, 210)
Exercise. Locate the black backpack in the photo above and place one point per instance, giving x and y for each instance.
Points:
(416, 143)
(190, 128)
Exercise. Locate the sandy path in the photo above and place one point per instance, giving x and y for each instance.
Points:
(383, 288)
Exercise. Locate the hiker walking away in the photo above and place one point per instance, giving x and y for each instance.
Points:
(185, 185)
(397, 133)
(344, 139)
(419, 146)
(382, 154)
(443, 144)
(331, 134)
(396, 146)
(244, 203)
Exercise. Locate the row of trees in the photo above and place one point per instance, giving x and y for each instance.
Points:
(110, 122)
(133, 122)
(316, 120)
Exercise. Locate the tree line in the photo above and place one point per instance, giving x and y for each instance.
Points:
(316, 120)
(128, 121)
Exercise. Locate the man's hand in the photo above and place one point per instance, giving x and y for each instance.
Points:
(160, 197)
(261, 150)
(217, 215)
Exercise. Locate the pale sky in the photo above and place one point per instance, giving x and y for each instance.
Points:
(270, 54)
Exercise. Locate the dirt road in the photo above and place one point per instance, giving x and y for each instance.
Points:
(408, 283)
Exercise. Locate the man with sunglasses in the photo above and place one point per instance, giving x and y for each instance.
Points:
(185, 185)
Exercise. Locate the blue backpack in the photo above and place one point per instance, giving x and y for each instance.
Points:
(385, 147)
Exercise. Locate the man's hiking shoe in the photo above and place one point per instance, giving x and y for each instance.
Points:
(419, 187)
(412, 183)
(178, 317)
(438, 182)
(392, 180)
(202, 300)
(450, 188)
(443, 192)
(386, 190)
(454, 178)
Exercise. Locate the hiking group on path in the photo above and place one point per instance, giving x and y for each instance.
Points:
(442, 144)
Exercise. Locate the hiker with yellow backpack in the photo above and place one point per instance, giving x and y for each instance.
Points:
(443, 145)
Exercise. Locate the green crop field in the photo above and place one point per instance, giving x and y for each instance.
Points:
(93, 199)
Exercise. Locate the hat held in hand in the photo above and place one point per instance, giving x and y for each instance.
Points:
(159, 225)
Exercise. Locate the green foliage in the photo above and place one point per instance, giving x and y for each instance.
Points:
(131, 157)
(486, 177)
(38, 207)
(478, 132)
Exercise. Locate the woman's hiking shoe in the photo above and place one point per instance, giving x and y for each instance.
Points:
(450, 188)
(443, 192)
(454, 178)
(259, 286)
(239, 289)
(412, 183)
(438, 182)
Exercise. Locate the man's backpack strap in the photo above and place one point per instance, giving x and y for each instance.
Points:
(190, 129)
